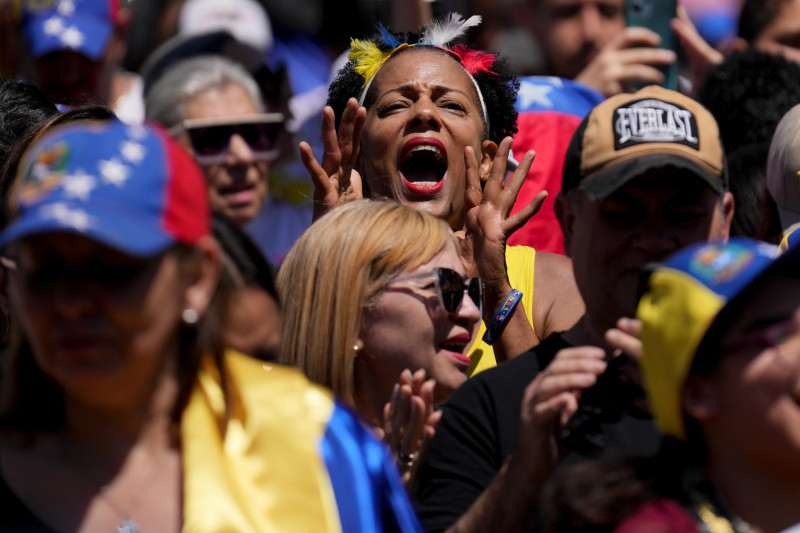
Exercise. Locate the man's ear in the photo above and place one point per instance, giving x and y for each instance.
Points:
(728, 208)
(488, 151)
(565, 213)
(202, 275)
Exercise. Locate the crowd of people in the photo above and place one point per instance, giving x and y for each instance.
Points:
(385, 266)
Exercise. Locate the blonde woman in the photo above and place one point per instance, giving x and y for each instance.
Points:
(375, 291)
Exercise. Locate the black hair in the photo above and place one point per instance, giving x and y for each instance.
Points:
(245, 267)
(756, 214)
(23, 107)
(756, 15)
(748, 94)
(499, 90)
(251, 267)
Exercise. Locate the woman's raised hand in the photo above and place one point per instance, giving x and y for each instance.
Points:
(335, 180)
(409, 422)
(488, 224)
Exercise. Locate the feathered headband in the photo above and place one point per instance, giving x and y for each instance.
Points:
(369, 57)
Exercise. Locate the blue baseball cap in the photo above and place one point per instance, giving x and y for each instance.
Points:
(82, 26)
(131, 188)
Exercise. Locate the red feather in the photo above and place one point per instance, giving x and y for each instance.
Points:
(474, 61)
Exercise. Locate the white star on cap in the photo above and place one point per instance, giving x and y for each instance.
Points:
(133, 151)
(53, 26)
(137, 132)
(79, 184)
(76, 218)
(530, 93)
(113, 171)
(72, 37)
(66, 7)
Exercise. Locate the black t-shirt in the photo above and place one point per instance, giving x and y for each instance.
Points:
(478, 431)
(15, 517)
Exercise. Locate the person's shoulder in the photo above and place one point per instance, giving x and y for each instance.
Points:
(560, 304)
(554, 266)
(277, 388)
(554, 273)
(511, 377)
(246, 369)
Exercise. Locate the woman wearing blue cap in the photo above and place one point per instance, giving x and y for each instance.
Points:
(121, 406)
(720, 361)
(721, 367)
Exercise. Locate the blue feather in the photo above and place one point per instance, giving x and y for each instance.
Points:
(387, 38)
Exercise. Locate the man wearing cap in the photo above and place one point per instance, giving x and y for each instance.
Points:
(644, 175)
(783, 172)
(72, 50)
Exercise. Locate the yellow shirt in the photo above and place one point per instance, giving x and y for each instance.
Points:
(520, 261)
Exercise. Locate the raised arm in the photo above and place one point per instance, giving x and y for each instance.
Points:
(509, 503)
(488, 226)
(702, 55)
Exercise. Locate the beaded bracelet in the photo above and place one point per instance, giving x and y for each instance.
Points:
(501, 316)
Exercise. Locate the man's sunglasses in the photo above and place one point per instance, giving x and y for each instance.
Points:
(211, 138)
(451, 287)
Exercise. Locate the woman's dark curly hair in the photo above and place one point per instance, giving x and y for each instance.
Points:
(499, 90)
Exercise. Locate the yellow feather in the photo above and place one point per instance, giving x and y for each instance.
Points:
(368, 58)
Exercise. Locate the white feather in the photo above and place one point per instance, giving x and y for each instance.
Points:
(442, 32)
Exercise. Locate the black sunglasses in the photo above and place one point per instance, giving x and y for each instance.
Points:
(451, 287)
(211, 138)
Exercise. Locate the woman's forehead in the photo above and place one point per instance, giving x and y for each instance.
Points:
(423, 66)
(71, 247)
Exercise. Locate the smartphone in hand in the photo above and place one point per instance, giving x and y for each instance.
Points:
(656, 16)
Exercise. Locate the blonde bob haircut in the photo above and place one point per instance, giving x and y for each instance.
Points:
(337, 269)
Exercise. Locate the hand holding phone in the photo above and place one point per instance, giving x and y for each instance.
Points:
(656, 15)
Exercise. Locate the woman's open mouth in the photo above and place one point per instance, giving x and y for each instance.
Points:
(423, 165)
(238, 195)
(455, 347)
